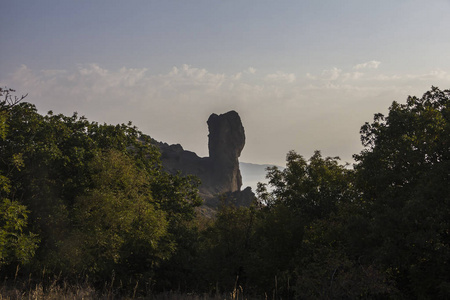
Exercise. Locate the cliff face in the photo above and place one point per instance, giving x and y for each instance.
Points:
(219, 172)
(226, 141)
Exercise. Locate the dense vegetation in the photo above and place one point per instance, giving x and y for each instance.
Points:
(90, 203)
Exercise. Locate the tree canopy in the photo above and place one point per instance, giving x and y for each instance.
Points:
(80, 198)
(404, 174)
(95, 195)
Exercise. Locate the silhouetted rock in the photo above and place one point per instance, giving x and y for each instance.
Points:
(240, 198)
(226, 141)
(219, 173)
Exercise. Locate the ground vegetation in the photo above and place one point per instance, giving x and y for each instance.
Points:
(88, 212)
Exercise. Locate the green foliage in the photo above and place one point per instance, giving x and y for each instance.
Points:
(96, 195)
(404, 176)
(7, 101)
(93, 200)
(329, 265)
(116, 224)
(3, 124)
(229, 247)
(310, 189)
(15, 245)
(301, 196)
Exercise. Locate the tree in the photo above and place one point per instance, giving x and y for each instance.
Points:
(312, 189)
(95, 194)
(301, 197)
(404, 176)
(117, 225)
(7, 102)
(227, 248)
(16, 244)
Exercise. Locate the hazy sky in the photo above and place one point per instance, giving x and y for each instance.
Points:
(303, 75)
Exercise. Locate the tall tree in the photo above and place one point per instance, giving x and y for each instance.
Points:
(404, 175)
(17, 245)
(300, 198)
(116, 225)
(95, 191)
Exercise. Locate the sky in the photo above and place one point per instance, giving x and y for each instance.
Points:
(303, 75)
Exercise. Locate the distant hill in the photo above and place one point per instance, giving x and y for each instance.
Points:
(253, 173)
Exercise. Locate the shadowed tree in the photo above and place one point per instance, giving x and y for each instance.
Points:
(405, 179)
(17, 245)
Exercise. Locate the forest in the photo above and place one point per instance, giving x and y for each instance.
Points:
(88, 206)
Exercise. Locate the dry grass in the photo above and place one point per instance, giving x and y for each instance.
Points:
(88, 293)
(57, 291)
(54, 292)
(55, 288)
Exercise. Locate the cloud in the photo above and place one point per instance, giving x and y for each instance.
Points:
(334, 74)
(322, 110)
(373, 64)
(281, 77)
(331, 74)
(251, 70)
(191, 75)
(352, 76)
(310, 76)
(433, 75)
(237, 76)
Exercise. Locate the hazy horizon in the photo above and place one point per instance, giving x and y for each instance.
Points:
(302, 75)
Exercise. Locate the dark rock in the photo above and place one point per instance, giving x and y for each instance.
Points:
(219, 173)
(226, 141)
(240, 198)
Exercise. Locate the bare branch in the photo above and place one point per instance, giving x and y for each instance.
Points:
(9, 100)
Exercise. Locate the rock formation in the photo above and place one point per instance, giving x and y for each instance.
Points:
(219, 173)
(226, 141)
